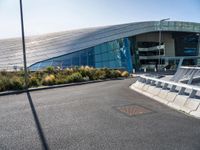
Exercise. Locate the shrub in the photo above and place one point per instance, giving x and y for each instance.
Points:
(91, 74)
(51, 76)
(60, 81)
(68, 71)
(114, 74)
(3, 73)
(34, 82)
(5, 83)
(75, 77)
(19, 73)
(86, 78)
(83, 71)
(125, 74)
(110, 73)
(38, 74)
(50, 69)
(60, 78)
(99, 74)
(49, 80)
(87, 71)
(17, 83)
(118, 72)
(2, 86)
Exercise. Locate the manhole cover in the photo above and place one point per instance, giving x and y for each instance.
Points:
(133, 110)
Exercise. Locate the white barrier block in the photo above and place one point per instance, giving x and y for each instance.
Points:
(136, 84)
(141, 91)
(196, 113)
(161, 97)
(140, 85)
(145, 87)
(156, 91)
(163, 93)
(171, 96)
(191, 105)
(150, 89)
(179, 102)
(161, 100)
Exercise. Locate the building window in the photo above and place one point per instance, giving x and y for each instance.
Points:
(114, 54)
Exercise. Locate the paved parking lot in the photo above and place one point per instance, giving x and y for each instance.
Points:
(106, 115)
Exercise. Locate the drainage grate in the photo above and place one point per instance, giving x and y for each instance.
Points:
(133, 110)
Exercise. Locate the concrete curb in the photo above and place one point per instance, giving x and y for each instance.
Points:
(55, 86)
(181, 103)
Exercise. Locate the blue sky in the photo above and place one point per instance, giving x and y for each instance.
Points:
(44, 16)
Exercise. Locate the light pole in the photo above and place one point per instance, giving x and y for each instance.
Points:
(24, 46)
(160, 38)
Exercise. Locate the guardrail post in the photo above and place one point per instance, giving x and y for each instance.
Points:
(193, 93)
(143, 80)
(165, 86)
(148, 81)
(140, 79)
(182, 91)
(158, 84)
(153, 83)
(173, 88)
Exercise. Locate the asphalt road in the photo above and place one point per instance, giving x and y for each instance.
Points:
(85, 118)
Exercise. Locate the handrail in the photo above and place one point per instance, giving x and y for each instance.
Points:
(186, 67)
(192, 87)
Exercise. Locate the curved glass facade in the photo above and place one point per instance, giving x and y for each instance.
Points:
(114, 54)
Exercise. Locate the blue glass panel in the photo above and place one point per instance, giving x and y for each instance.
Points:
(97, 49)
(83, 58)
(128, 55)
(91, 58)
(34, 67)
(57, 63)
(105, 57)
(115, 45)
(104, 48)
(109, 46)
(45, 64)
(75, 61)
(98, 65)
(113, 64)
(98, 58)
(66, 63)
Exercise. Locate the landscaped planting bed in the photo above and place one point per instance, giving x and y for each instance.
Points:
(52, 76)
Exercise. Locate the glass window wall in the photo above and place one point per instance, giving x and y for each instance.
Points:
(114, 54)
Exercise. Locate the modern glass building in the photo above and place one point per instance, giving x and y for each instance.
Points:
(127, 46)
(114, 54)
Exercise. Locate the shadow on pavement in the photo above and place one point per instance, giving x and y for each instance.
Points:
(37, 123)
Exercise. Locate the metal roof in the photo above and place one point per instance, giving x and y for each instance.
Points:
(46, 46)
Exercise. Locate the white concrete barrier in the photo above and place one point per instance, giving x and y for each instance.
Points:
(179, 102)
(196, 113)
(170, 93)
(145, 87)
(171, 97)
(163, 94)
(191, 105)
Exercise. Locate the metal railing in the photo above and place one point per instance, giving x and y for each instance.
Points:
(172, 86)
(186, 73)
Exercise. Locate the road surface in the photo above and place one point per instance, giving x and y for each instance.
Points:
(88, 117)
